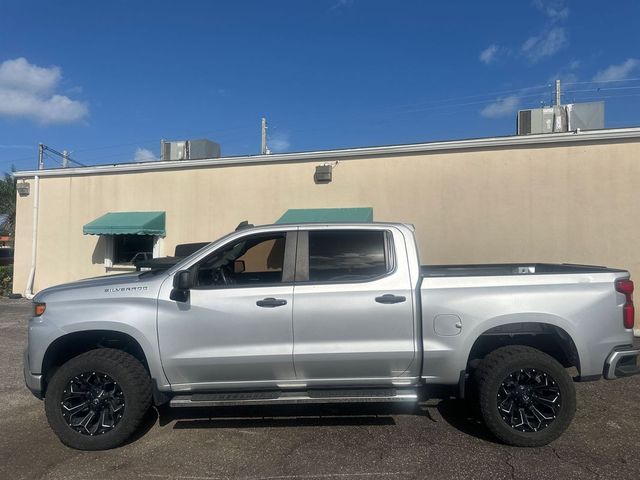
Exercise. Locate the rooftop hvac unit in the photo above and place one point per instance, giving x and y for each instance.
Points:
(586, 116)
(542, 120)
(189, 150)
(561, 118)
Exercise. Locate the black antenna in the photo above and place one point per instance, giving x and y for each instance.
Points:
(244, 224)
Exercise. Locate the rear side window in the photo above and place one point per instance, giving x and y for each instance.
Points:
(347, 255)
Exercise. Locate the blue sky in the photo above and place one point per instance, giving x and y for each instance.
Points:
(108, 80)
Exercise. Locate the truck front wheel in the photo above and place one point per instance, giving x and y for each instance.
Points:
(527, 398)
(98, 399)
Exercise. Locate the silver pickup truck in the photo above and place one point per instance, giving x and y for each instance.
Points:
(312, 313)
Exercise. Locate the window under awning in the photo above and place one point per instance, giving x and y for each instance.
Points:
(127, 223)
(327, 215)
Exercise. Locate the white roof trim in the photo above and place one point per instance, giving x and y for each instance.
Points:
(492, 142)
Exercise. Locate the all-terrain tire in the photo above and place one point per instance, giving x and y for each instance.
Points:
(131, 377)
(496, 367)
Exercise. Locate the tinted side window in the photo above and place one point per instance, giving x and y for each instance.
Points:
(343, 255)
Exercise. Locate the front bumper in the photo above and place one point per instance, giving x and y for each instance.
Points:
(622, 362)
(33, 382)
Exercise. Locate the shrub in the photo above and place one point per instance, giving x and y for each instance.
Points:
(6, 280)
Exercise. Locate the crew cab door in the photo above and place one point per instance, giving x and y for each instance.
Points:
(353, 307)
(235, 327)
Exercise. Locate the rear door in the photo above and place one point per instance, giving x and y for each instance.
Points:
(353, 307)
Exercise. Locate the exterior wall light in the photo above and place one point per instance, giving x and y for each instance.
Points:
(23, 188)
(323, 174)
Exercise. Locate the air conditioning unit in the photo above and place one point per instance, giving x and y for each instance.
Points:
(189, 149)
(542, 120)
(561, 118)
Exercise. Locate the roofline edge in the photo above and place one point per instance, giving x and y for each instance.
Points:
(319, 155)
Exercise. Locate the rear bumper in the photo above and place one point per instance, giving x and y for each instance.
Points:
(622, 362)
(33, 382)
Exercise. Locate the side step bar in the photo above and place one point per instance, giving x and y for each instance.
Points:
(277, 397)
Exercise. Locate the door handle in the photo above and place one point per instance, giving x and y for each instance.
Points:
(271, 302)
(390, 298)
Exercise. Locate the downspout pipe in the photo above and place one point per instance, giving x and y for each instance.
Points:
(28, 293)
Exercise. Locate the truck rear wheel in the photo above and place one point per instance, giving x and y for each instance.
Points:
(98, 399)
(526, 397)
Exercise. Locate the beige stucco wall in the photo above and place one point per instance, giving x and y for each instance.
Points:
(556, 203)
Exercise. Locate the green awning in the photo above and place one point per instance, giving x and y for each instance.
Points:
(327, 215)
(127, 223)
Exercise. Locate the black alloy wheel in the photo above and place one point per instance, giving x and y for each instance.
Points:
(92, 403)
(529, 400)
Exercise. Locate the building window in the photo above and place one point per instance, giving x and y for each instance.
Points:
(130, 248)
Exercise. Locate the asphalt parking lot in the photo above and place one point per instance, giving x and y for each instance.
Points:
(438, 440)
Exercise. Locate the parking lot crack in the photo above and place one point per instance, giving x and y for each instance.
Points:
(565, 460)
(511, 466)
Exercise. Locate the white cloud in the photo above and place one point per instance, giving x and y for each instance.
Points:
(554, 9)
(21, 75)
(144, 155)
(537, 47)
(28, 91)
(279, 142)
(501, 107)
(545, 45)
(615, 73)
(489, 54)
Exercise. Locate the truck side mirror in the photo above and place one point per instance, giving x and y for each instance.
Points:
(181, 286)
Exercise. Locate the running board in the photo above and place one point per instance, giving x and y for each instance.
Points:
(276, 397)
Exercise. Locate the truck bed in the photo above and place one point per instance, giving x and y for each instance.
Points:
(501, 269)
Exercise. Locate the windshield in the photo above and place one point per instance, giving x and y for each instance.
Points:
(156, 270)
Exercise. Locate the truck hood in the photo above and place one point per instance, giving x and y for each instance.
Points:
(98, 286)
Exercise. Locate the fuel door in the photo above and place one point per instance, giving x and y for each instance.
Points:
(447, 325)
